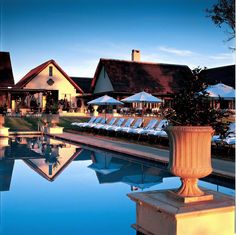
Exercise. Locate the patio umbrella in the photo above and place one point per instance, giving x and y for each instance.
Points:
(221, 90)
(142, 97)
(105, 100)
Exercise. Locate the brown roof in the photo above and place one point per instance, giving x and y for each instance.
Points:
(34, 72)
(132, 77)
(83, 82)
(6, 75)
(225, 74)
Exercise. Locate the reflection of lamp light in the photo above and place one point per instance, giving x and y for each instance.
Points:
(3, 144)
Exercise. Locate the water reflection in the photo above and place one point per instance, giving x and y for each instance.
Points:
(54, 157)
(6, 166)
(50, 157)
(86, 191)
(112, 169)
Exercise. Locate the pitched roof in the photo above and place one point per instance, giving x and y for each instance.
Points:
(6, 75)
(83, 82)
(224, 74)
(34, 72)
(132, 76)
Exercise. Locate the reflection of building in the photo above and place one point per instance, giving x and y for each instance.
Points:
(85, 155)
(111, 169)
(6, 169)
(19, 148)
(56, 158)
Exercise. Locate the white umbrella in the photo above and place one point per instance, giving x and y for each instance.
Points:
(105, 100)
(142, 97)
(221, 90)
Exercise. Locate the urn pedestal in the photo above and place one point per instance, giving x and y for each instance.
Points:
(190, 157)
(188, 211)
(50, 124)
(3, 130)
(159, 214)
(50, 119)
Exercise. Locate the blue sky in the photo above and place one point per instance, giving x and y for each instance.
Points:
(77, 33)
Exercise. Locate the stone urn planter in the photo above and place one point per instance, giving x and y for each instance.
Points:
(2, 121)
(190, 156)
(50, 120)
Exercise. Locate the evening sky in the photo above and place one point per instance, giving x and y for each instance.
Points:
(77, 33)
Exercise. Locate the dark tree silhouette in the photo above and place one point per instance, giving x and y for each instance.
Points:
(223, 12)
(191, 106)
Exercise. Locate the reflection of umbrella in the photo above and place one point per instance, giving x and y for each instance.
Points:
(221, 90)
(103, 164)
(142, 97)
(105, 100)
(112, 169)
(142, 178)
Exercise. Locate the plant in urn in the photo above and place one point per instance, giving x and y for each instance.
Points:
(191, 125)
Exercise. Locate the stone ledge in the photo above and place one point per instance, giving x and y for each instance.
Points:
(54, 130)
(174, 195)
(4, 131)
(159, 214)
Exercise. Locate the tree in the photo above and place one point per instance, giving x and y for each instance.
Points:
(191, 106)
(223, 12)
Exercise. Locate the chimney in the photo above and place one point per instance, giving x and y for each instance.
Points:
(135, 55)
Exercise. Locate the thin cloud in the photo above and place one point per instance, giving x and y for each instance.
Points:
(221, 56)
(197, 58)
(81, 68)
(176, 51)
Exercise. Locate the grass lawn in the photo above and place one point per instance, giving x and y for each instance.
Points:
(66, 122)
(31, 123)
(21, 124)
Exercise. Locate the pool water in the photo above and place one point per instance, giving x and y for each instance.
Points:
(51, 187)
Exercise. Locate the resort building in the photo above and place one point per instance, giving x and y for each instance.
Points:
(85, 84)
(49, 83)
(6, 79)
(121, 78)
(224, 75)
(50, 77)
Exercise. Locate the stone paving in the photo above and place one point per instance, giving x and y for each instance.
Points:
(220, 167)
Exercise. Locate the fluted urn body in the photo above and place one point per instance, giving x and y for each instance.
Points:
(51, 119)
(2, 121)
(190, 156)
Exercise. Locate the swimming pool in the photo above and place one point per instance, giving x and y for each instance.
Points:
(52, 187)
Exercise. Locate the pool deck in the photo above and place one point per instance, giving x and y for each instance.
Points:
(220, 167)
